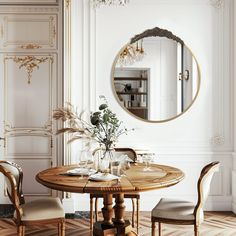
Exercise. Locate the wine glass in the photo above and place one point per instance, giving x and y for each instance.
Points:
(125, 165)
(147, 159)
(83, 160)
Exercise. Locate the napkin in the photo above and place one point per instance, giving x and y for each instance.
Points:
(103, 177)
(81, 171)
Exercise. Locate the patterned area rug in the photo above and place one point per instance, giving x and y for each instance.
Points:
(216, 224)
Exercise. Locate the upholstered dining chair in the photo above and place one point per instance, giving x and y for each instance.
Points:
(172, 211)
(133, 196)
(38, 212)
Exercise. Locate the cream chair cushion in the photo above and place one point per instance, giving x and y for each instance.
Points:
(175, 210)
(47, 208)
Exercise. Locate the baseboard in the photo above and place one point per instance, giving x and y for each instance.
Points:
(219, 203)
(68, 205)
(234, 208)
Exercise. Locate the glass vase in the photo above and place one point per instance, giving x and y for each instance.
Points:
(103, 160)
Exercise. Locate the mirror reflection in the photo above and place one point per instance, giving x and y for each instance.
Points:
(156, 77)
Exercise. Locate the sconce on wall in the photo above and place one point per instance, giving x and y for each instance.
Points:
(98, 3)
(184, 76)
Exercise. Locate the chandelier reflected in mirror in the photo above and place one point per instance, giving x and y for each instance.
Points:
(98, 3)
(131, 54)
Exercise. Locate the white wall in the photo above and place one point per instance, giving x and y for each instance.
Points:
(201, 135)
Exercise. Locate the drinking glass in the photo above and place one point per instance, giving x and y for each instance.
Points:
(147, 159)
(83, 160)
(115, 168)
(125, 165)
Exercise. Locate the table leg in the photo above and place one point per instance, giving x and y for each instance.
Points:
(119, 226)
(107, 210)
(123, 226)
(105, 227)
(119, 209)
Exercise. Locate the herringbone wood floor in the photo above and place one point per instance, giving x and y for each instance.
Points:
(216, 224)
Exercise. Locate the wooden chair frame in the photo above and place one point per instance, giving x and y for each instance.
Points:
(207, 170)
(17, 198)
(132, 196)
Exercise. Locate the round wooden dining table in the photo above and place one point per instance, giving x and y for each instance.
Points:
(136, 179)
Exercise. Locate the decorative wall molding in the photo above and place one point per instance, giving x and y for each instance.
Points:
(32, 2)
(13, 39)
(234, 191)
(67, 73)
(217, 3)
(31, 46)
(234, 182)
(29, 63)
(218, 140)
(67, 3)
(24, 9)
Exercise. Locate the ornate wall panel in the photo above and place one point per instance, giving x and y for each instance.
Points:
(28, 145)
(31, 87)
(23, 108)
(28, 31)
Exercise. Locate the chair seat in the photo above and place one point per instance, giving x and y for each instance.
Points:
(174, 209)
(42, 209)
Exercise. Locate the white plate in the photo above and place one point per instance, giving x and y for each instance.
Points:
(81, 171)
(103, 177)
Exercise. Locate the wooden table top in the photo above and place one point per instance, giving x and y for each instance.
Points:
(136, 180)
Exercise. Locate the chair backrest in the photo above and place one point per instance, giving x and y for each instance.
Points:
(121, 151)
(203, 186)
(14, 177)
(127, 151)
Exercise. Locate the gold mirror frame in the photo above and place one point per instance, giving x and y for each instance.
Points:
(155, 32)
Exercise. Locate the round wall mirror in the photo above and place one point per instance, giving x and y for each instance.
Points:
(155, 77)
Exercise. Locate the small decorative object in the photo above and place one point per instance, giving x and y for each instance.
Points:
(98, 3)
(134, 103)
(119, 87)
(140, 89)
(103, 127)
(128, 87)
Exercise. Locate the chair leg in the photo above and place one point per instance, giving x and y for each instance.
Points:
(96, 209)
(91, 213)
(61, 228)
(159, 228)
(21, 230)
(138, 206)
(196, 230)
(133, 211)
(153, 228)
